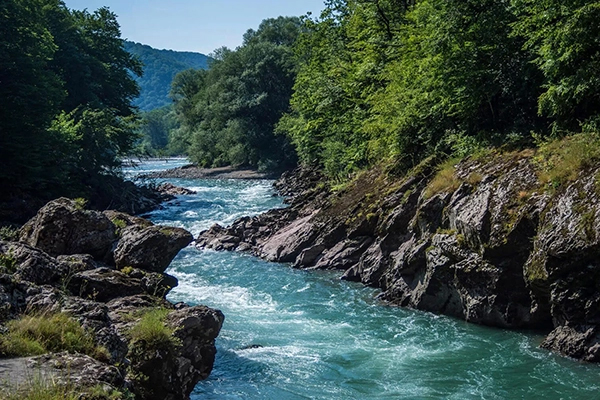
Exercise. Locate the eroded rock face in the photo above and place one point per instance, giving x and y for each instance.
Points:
(89, 271)
(499, 250)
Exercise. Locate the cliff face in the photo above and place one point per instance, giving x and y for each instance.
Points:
(486, 242)
(105, 270)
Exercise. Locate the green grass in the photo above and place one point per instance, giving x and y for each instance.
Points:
(45, 333)
(151, 330)
(43, 389)
(40, 390)
(445, 179)
(560, 161)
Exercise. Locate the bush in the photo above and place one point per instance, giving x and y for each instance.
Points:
(9, 233)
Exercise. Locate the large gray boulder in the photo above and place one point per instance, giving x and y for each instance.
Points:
(151, 248)
(64, 227)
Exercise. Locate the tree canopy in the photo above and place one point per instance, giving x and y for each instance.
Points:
(65, 97)
(229, 111)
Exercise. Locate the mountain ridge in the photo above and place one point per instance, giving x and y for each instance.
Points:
(160, 67)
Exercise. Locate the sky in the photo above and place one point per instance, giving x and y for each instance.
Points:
(195, 25)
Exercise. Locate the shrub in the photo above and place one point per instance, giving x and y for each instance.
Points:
(9, 233)
(8, 263)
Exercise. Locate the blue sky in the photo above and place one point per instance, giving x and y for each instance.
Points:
(195, 25)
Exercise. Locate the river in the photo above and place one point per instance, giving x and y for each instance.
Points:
(291, 334)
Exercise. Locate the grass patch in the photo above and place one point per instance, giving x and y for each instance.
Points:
(9, 233)
(445, 179)
(8, 263)
(560, 161)
(43, 389)
(80, 203)
(152, 332)
(45, 333)
(474, 178)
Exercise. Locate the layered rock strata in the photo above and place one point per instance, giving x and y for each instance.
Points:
(491, 244)
(106, 270)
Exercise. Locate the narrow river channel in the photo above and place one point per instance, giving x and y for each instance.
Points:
(291, 334)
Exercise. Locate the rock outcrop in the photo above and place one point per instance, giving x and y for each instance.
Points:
(488, 243)
(106, 271)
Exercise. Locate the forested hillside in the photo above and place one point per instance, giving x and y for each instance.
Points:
(396, 80)
(160, 67)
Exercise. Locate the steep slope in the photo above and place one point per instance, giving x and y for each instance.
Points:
(160, 67)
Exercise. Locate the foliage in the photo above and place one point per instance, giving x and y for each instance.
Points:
(160, 67)
(8, 263)
(9, 233)
(158, 131)
(397, 79)
(228, 113)
(65, 99)
(564, 37)
(40, 334)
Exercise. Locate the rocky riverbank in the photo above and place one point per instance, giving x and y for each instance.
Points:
(193, 172)
(103, 272)
(486, 240)
(114, 194)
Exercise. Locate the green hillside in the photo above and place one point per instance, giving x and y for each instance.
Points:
(160, 66)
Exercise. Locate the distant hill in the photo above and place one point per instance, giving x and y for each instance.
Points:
(160, 66)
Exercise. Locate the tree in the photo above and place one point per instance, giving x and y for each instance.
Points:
(30, 95)
(564, 36)
(230, 111)
(65, 97)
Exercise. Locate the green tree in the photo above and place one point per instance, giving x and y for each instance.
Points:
(65, 98)
(564, 36)
(230, 111)
(30, 96)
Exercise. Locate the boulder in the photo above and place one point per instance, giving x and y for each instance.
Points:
(150, 248)
(63, 227)
(170, 189)
(105, 284)
(172, 369)
(31, 264)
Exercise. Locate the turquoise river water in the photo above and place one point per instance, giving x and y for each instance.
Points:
(317, 337)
